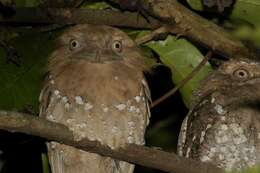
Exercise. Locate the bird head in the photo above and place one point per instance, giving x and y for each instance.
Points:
(95, 44)
(236, 78)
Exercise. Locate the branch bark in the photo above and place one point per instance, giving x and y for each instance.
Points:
(145, 156)
(29, 16)
(169, 12)
(191, 25)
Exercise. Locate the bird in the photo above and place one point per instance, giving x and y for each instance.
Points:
(223, 125)
(96, 86)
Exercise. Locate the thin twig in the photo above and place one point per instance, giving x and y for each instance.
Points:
(148, 37)
(184, 81)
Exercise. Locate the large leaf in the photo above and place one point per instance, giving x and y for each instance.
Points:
(248, 33)
(181, 57)
(247, 10)
(20, 86)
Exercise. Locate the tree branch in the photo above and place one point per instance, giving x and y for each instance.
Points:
(178, 19)
(158, 159)
(28, 16)
(191, 25)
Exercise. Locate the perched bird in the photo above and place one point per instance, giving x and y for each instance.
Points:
(96, 87)
(223, 127)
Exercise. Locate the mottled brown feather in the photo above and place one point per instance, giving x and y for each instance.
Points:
(223, 127)
(104, 98)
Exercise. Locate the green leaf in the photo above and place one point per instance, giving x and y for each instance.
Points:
(45, 163)
(246, 10)
(248, 33)
(255, 169)
(181, 57)
(20, 86)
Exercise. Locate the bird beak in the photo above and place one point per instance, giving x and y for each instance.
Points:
(97, 57)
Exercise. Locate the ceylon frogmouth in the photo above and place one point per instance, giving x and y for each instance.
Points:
(223, 127)
(96, 87)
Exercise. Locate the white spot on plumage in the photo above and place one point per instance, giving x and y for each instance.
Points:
(131, 109)
(105, 109)
(131, 124)
(131, 132)
(258, 135)
(67, 105)
(88, 106)
(50, 117)
(52, 82)
(223, 127)
(53, 145)
(56, 92)
(208, 126)
(202, 135)
(213, 100)
(144, 82)
(188, 152)
(240, 139)
(220, 109)
(91, 138)
(205, 158)
(121, 107)
(64, 99)
(130, 139)
(71, 120)
(236, 128)
(82, 125)
(116, 77)
(79, 100)
(221, 157)
(114, 129)
(137, 99)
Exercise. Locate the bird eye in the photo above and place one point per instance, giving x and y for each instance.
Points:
(74, 44)
(241, 73)
(117, 46)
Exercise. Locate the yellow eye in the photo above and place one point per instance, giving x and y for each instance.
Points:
(74, 44)
(241, 73)
(117, 46)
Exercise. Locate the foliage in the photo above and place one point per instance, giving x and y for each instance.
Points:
(244, 10)
(20, 85)
(181, 57)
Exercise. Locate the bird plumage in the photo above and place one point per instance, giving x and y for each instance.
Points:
(223, 127)
(96, 87)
